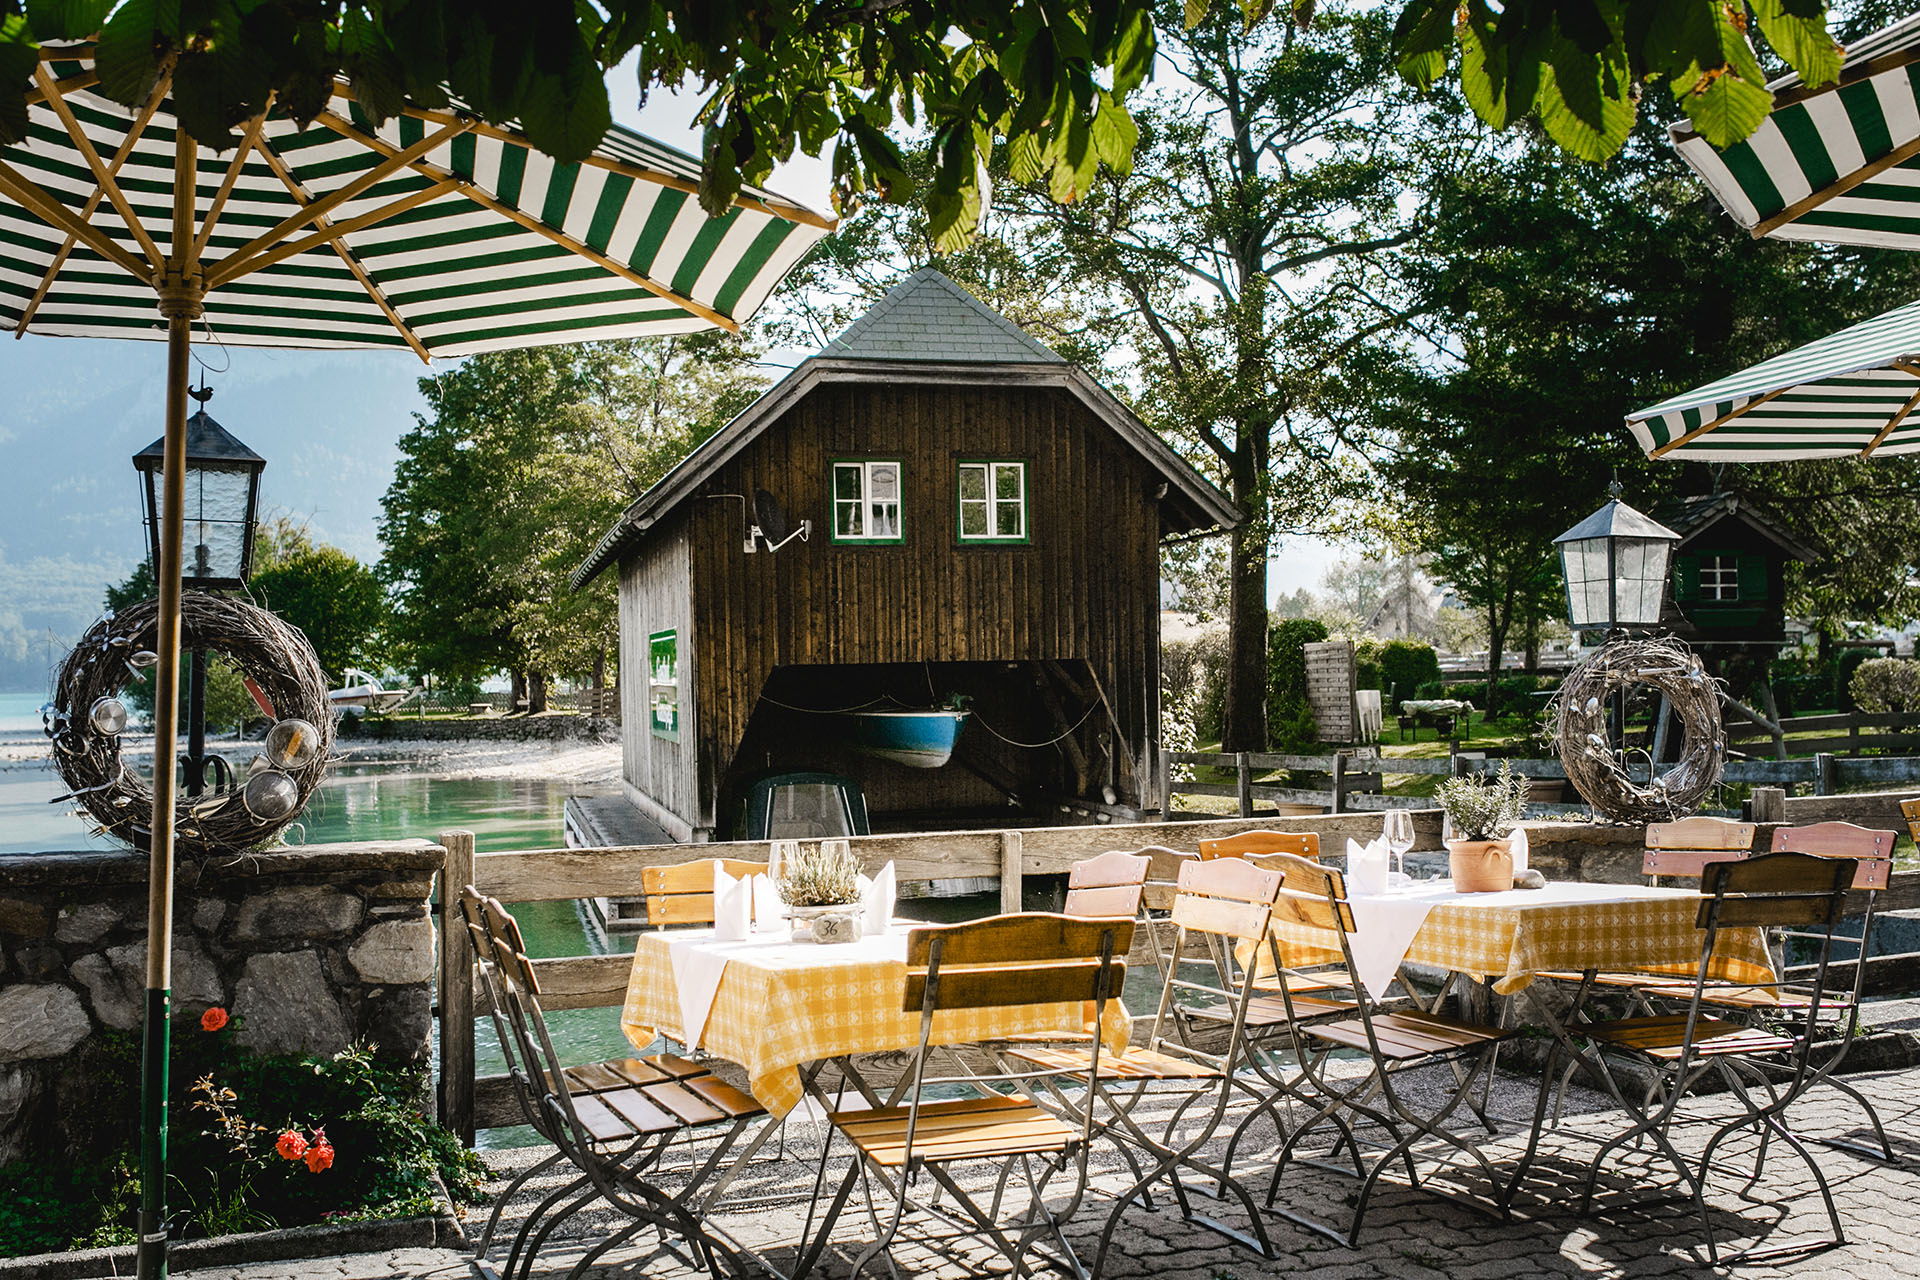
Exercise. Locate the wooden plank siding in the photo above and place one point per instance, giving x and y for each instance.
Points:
(656, 584)
(1084, 587)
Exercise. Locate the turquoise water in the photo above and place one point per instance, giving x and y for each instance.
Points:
(20, 712)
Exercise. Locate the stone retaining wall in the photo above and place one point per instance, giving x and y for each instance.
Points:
(311, 949)
(557, 726)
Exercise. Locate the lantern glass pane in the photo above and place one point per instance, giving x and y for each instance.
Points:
(216, 525)
(1585, 565)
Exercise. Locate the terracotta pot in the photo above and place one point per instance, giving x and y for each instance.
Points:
(1481, 866)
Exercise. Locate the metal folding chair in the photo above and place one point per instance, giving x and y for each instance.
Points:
(1313, 899)
(612, 1120)
(961, 970)
(1680, 1049)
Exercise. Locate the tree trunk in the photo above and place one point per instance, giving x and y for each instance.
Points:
(1244, 725)
(536, 692)
(517, 690)
(599, 671)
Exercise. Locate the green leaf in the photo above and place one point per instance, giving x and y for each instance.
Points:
(567, 114)
(1501, 83)
(127, 56)
(1683, 40)
(1196, 12)
(1803, 41)
(18, 58)
(1133, 53)
(1589, 122)
(66, 19)
(1114, 135)
(1727, 110)
(1421, 39)
(1025, 158)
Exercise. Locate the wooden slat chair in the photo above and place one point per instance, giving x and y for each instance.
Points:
(1110, 884)
(1004, 961)
(682, 894)
(1314, 898)
(1772, 890)
(612, 1120)
(1304, 844)
(1227, 902)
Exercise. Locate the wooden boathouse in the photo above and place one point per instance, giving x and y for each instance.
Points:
(935, 510)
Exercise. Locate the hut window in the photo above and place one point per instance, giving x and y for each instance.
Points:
(1719, 577)
(866, 501)
(993, 501)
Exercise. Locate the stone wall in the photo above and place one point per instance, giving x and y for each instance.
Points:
(552, 726)
(311, 949)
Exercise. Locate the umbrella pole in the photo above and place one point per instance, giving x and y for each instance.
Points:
(181, 293)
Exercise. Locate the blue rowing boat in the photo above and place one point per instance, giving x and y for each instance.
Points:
(917, 739)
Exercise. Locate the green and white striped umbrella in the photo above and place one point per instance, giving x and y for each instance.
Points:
(1850, 394)
(434, 231)
(1838, 164)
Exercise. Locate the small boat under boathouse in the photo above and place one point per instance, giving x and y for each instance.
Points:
(928, 560)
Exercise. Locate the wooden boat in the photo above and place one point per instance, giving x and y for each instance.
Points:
(917, 739)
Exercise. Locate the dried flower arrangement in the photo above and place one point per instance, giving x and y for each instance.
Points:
(821, 875)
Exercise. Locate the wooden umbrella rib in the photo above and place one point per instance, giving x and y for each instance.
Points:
(227, 271)
(347, 256)
(79, 80)
(1894, 422)
(1839, 187)
(102, 176)
(134, 132)
(248, 141)
(1720, 421)
(347, 129)
(57, 215)
(239, 261)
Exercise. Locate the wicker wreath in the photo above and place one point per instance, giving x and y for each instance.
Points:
(1598, 772)
(274, 655)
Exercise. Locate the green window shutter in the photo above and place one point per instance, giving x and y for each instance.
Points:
(1686, 578)
(1753, 577)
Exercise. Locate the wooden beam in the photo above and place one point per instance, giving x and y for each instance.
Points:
(67, 84)
(346, 129)
(1895, 420)
(352, 261)
(102, 176)
(55, 214)
(1720, 421)
(239, 262)
(639, 173)
(1838, 187)
(247, 142)
(134, 132)
(225, 274)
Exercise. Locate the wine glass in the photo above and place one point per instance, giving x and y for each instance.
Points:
(1397, 828)
(780, 854)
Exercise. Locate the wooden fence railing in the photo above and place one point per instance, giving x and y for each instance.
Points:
(1826, 773)
(1847, 734)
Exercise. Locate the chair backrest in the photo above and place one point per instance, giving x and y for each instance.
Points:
(521, 1056)
(1030, 958)
(1109, 884)
(1776, 889)
(1229, 897)
(514, 987)
(1872, 849)
(682, 894)
(1910, 810)
(1310, 894)
(1304, 844)
(1683, 848)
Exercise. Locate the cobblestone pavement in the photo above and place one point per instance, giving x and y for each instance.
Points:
(1408, 1232)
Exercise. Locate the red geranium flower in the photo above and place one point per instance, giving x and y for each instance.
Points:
(291, 1145)
(213, 1019)
(320, 1152)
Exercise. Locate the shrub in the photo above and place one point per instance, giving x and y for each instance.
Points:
(1850, 662)
(1193, 675)
(1288, 718)
(1513, 696)
(1367, 673)
(1429, 690)
(1405, 666)
(1882, 686)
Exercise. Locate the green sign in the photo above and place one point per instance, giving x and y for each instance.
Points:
(663, 684)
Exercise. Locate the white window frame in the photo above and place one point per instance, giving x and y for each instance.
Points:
(1719, 578)
(863, 503)
(990, 470)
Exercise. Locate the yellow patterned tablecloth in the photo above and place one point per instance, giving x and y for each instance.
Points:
(1518, 934)
(789, 1004)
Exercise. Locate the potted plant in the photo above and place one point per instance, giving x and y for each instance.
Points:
(1482, 813)
(821, 886)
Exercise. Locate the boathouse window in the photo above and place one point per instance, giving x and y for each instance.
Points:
(993, 501)
(663, 684)
(1719, 577)
(866, 500)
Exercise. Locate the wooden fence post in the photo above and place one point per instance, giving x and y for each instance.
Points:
(1461, 766)
(1162, 779)
(1011, 851)
(456, 989)
(1246, 783)
(1339, 782)
(1769, 804)
(1823, 773)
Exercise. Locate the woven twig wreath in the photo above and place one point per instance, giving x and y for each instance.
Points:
(250, 640)
(1598, 771)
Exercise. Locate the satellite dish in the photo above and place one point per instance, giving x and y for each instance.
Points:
(770, 522)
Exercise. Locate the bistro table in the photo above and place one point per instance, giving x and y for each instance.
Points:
(781, 1005)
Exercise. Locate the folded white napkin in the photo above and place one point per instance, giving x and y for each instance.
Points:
(1367, 868)
(1519, 849)
(878, 900)
(769, 913)
(732, 906)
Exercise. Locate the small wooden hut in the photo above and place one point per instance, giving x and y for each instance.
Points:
(1729, 578)
(935, 510)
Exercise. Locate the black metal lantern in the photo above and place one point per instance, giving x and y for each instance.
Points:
(223, 494)
(1615, 563)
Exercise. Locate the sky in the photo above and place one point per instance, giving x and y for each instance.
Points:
(328, 423)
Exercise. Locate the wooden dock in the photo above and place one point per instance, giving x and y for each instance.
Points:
(612, 822)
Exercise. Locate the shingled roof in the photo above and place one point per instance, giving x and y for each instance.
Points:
(926, 330)
(929, 317)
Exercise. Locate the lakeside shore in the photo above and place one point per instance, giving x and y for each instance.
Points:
(571, 763)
